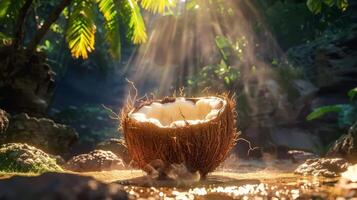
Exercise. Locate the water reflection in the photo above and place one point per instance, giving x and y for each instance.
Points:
(289, 187)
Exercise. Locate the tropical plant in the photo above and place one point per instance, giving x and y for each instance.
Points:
(82, 19)
(347, 113)
(221, 76)
(315, 6)
(316, 19)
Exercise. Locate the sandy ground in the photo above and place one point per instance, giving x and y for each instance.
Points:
(121, 175)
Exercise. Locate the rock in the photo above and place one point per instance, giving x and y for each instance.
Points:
(97, 160)
(59, 186)
(330, 61)
(300, 156)
(17, 157)
(40, 132)
(26, 81)
(4, 122)
(328, 167)
(305, 88)
(118, 147)
(346, 146)
(295, 138)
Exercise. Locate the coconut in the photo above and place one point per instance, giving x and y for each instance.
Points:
(196, 132)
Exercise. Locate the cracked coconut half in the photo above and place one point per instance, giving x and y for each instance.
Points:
(196, 132)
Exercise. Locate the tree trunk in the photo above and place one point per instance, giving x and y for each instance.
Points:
(46, 26)
(18, 32)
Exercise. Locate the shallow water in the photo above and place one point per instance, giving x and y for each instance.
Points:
(222, 185)
(230, 185)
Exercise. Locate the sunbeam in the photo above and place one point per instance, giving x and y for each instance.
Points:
(184, 41)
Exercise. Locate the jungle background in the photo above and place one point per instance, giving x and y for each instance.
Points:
(291, 63)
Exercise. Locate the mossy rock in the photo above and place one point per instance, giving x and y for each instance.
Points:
(17, 157)
(42, 133)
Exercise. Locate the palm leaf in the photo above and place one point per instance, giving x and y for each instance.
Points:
(137, 23)
(157, 6)
(109, 9)
(80, 34)
(321, 111)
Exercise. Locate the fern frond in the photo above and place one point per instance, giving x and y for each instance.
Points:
(112, 36)
(157, 6)
(137, 23)
(109, 9)
(80, 34)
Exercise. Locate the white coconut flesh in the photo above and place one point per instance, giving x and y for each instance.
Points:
(181, 112)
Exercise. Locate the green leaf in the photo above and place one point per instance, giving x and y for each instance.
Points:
(321, 111)
(227, 80)
(330, 3)
(10, 7)
(352, 93)
(157, 6)
(107, 8)
(223, 46)
(137, 23)
(314, 6)
(80, 34)
(110, 11)
(9, 11)
(4, 5)
(342, 4)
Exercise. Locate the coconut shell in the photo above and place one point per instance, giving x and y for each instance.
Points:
(201, 147)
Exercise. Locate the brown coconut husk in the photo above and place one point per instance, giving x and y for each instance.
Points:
(201, 147)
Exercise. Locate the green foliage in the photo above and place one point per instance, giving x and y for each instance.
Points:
(347, 113)
(137, 23)
(83, 17)
(221, 76)
(352, 93)
(109, 9)
(16, 157)
(321, 111)
(315, 6)
(81, 28)
(157, 6)
(217, 77)
(293, 23)
(10, 8)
